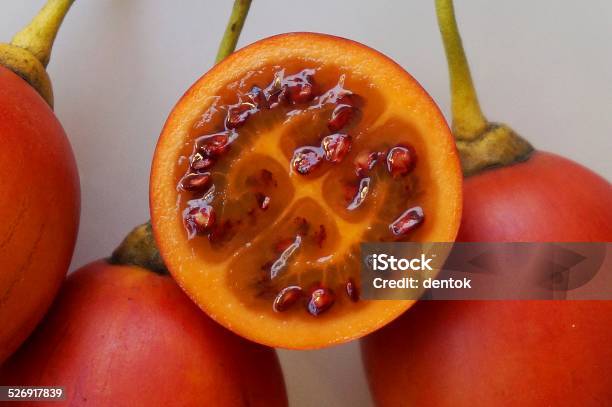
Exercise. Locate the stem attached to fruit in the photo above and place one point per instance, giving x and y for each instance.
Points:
(38, 36)
(139, 249)
(30, 50)
(481, 144)
(234, 28)
(468, 120)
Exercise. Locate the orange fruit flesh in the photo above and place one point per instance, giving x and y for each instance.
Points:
(306, 234)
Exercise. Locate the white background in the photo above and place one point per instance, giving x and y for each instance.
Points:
(119, 66)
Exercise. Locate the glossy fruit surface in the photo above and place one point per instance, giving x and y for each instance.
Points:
(273, 168)
(528, 353)
(489, 353)
(39, 207)
(548, 198)
(123, 335)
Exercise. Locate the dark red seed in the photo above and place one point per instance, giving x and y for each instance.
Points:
(195, 182)
(365, 161)
(320, 236)
(300, 93)
(351, 290)
(401, 160)
(200, 163)
(263, 201)
(360, 195)
(256, 97)
(275, 98)
(340, 117)
(321, 299)
(306, 159)
(238, 114)
(213, 145)
(299, 87)
(286, 298)
(199, 220)
(336, 147)
(407, 221)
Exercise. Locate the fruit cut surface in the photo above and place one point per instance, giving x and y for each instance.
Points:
(277, 164)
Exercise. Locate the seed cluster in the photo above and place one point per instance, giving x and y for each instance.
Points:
(333, 147)
(317, 300)
(199, 216)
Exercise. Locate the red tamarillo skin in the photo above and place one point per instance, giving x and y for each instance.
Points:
(515, 353)
(39, 208)
(477, 353)
(527, 353)
(123, 335)
(548, 198)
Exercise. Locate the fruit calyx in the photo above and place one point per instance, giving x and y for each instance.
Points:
(139, 249)
(29, 51)
(481, 144)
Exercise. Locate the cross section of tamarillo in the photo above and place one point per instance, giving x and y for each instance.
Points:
(277, 164)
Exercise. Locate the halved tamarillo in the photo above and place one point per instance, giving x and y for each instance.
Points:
(122, 334)
(277, 163)
(527, 353)
(39, 189)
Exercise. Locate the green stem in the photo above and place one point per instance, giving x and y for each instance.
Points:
(233, 29)
(468, 120)
(482, 145)
(39, 35)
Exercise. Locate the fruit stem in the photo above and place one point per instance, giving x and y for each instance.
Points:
(38, 36)
(468, 119)
(29, 52)
(233, 29)
(481, 144)
(139, 249)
